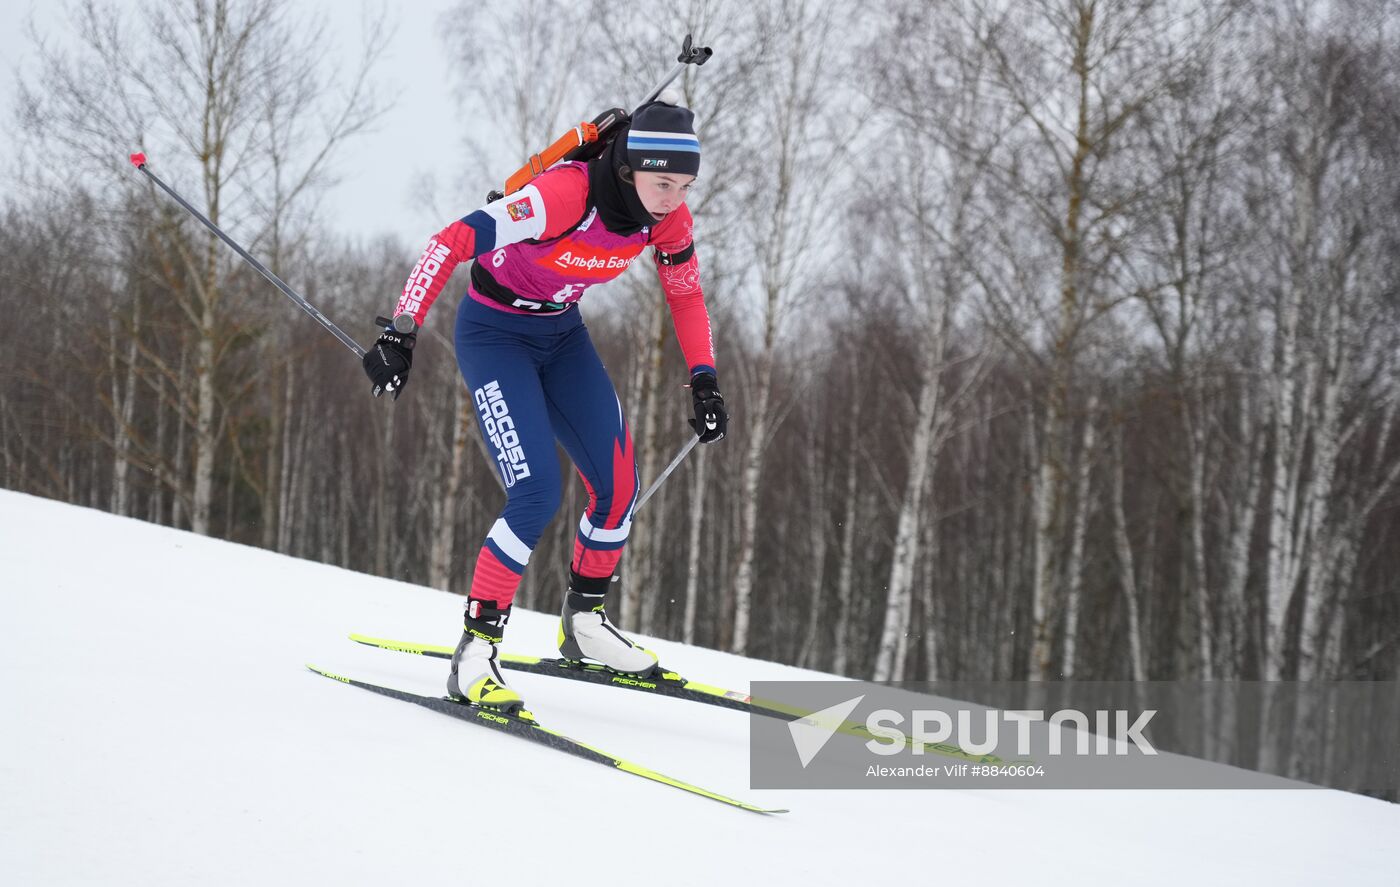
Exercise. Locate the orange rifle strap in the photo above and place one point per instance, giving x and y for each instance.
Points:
(579, 135)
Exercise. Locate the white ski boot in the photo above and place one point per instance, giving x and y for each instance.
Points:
(476, 674)
(586, 633)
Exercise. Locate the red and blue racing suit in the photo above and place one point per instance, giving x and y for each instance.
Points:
(534, 374)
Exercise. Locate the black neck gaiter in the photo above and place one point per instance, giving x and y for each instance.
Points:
(619, 207)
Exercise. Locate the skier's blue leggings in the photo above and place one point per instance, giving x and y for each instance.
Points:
(534, 380)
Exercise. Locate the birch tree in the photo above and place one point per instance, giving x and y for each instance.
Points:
(792, 154)
(1192, 140)
(1323, 308)
(1080, 72)
(212, 81)
(931, 232)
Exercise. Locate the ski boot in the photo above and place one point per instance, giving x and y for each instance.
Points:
(476, 673)
(586, 633)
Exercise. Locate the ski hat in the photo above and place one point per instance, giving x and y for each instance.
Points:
(661, 138)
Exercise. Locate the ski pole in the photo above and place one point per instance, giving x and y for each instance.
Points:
(696, 56)
(685, 451)
(139, 161)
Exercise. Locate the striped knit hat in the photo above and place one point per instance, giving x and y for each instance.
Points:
(662, 139)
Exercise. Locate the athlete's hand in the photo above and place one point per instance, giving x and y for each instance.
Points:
(711, 419)
(388, 362)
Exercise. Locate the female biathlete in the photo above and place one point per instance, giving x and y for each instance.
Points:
(526, 356)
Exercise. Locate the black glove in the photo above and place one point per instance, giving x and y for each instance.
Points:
(711, 420)
(388, 362)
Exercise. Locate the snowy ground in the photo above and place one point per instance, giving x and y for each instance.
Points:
(159, 727)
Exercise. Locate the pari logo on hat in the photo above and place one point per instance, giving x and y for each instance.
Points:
(662, 137)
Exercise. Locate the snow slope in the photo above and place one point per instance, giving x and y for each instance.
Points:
(159, 727)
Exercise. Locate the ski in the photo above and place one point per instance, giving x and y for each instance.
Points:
(525, 726)
(668, 684)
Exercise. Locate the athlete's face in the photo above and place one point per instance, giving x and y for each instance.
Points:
(661, 192)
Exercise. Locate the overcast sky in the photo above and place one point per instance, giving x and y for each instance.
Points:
(412, 139)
